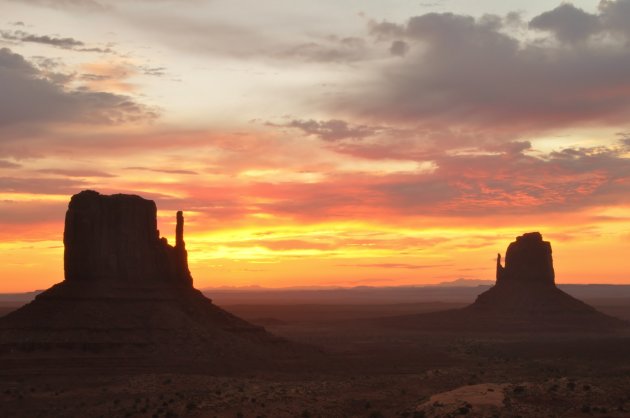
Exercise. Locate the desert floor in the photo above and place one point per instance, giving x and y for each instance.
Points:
(360, 370)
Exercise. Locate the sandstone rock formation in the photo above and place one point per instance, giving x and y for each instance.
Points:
(126, 290)
(524, 298)
(527, 260)
(114, 239)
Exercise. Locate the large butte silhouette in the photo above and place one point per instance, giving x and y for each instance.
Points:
(127, 290)
(524, 299)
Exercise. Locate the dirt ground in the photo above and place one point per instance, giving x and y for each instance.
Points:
(361, 371)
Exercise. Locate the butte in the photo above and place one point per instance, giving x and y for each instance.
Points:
(127, 293)
(524, 299)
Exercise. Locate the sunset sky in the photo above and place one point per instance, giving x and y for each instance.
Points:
(322, 143)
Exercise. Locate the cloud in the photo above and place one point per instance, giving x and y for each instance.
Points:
(568, 23)
(89, 5)
(75, 172)
(385, 30)
(615, 15)
(9, 164)
(164, 170)
(21, 36)
(475, 74)
(399, 48)
(397, 266)
(28, 97)
(35, 220)
(110, 76)
(36, 185)
(513, 183)
(153, 71)
(330, 49)
(331, 130)
(474, 185)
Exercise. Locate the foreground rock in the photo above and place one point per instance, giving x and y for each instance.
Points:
(524, 299)
(128, 293)
(482, 400)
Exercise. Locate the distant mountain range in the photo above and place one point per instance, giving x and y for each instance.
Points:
(460, 291)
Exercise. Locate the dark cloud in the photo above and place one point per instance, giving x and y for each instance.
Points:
(480, 73)
(331, 130)
(97, 50)
(568, 23)
(28, 96)
(399, 48)
(615, 15)
(21, 36)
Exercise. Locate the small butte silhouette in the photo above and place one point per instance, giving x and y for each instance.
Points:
(524, 299)
(126, 291)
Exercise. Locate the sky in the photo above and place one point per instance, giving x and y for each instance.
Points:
(328, 143)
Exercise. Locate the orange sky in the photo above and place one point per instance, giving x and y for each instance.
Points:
(341, 145)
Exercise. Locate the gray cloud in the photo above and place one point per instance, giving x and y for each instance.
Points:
(28, 96)
(399, 48)
(330, 49)
(615, 15)
(21, 36)
(153, 71)
(331, 130)
(479, 73)
(568, 23)
(386, 30)
(90, 5)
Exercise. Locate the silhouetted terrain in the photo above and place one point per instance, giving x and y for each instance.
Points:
(127, 335)
(128, 293)
(524, 299)
(365, 294)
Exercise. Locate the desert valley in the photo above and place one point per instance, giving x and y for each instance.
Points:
(126, 334)
(314, 209)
